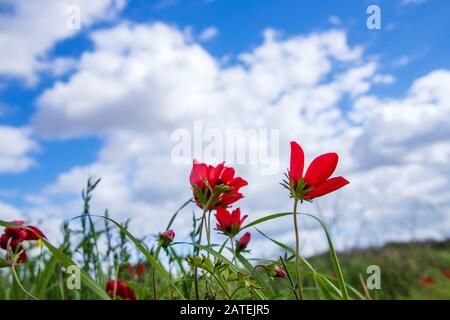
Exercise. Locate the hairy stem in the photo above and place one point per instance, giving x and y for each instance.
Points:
(197, 295)
(297, 253)
(155, 256)
(16, 277)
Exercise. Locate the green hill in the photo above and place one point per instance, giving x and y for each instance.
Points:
(408, 270)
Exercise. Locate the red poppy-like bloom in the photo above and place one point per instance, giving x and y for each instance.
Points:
(216, 185)
(316, 182)
(166, 238)
(140, 269)
(136, 271)
(426, 280)
(27, 233)
(243, 241)
(14, 236)
(119, 289)
(446, 272)
(279, 272)
(5, 240)
(229, 223)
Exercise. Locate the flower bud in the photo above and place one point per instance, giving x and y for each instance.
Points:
(243, 241)
(166, 238)
(279, 272)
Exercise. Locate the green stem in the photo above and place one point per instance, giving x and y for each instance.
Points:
(234, 251)
(297, 253)
(155, 256)
(20, 284)
(256, 267)
(208, 229)
(197, 295)
(289, 277)
(235, 290)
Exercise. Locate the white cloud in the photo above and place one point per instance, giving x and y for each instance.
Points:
(16, 144)
(31, 28)
(383, 79)
(335, 20)
(141, 82)
(208, 34)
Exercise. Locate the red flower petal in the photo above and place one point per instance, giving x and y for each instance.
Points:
(297, 161)
(321, 168)
(237, 183)
(228, 199)
(328, 186)
(198, 173)
(14, 244)
(227, 174)
(16, 233)
(121, 290)
(34, 233)
(236, 215)
(426, 280)
(130, 294)
(214, 174)
(224, 218)
(22, 257)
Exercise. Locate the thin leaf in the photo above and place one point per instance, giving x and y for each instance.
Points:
(176, 213)
(266, 218)
(302, 260)
(66, 262)
(146, 253)
(4, 264)
(334, 258)
(224, 259)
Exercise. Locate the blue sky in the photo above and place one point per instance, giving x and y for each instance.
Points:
(419, 31)
(412, 44)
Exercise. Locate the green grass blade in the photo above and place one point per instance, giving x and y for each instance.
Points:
(4, 264)
(146, 253)
(224, 259)
(45, 277)
(303, 261)
(266, 218)
(176, 213)
(66, 262)
(334, 258)
(86, 279)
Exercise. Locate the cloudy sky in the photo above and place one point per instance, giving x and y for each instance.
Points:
(105, 99)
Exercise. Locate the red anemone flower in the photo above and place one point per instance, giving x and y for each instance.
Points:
(119, 289)
(140, 269)
(316, 182)
(27, 233)
(426, 280)
(14, 236)
(243, 241)
(136, 271)
(229, 223)
(5, 240)
(446, 272)
(21, 258)
(220, 180)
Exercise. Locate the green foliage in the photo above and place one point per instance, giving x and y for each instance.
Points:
(105, 249)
